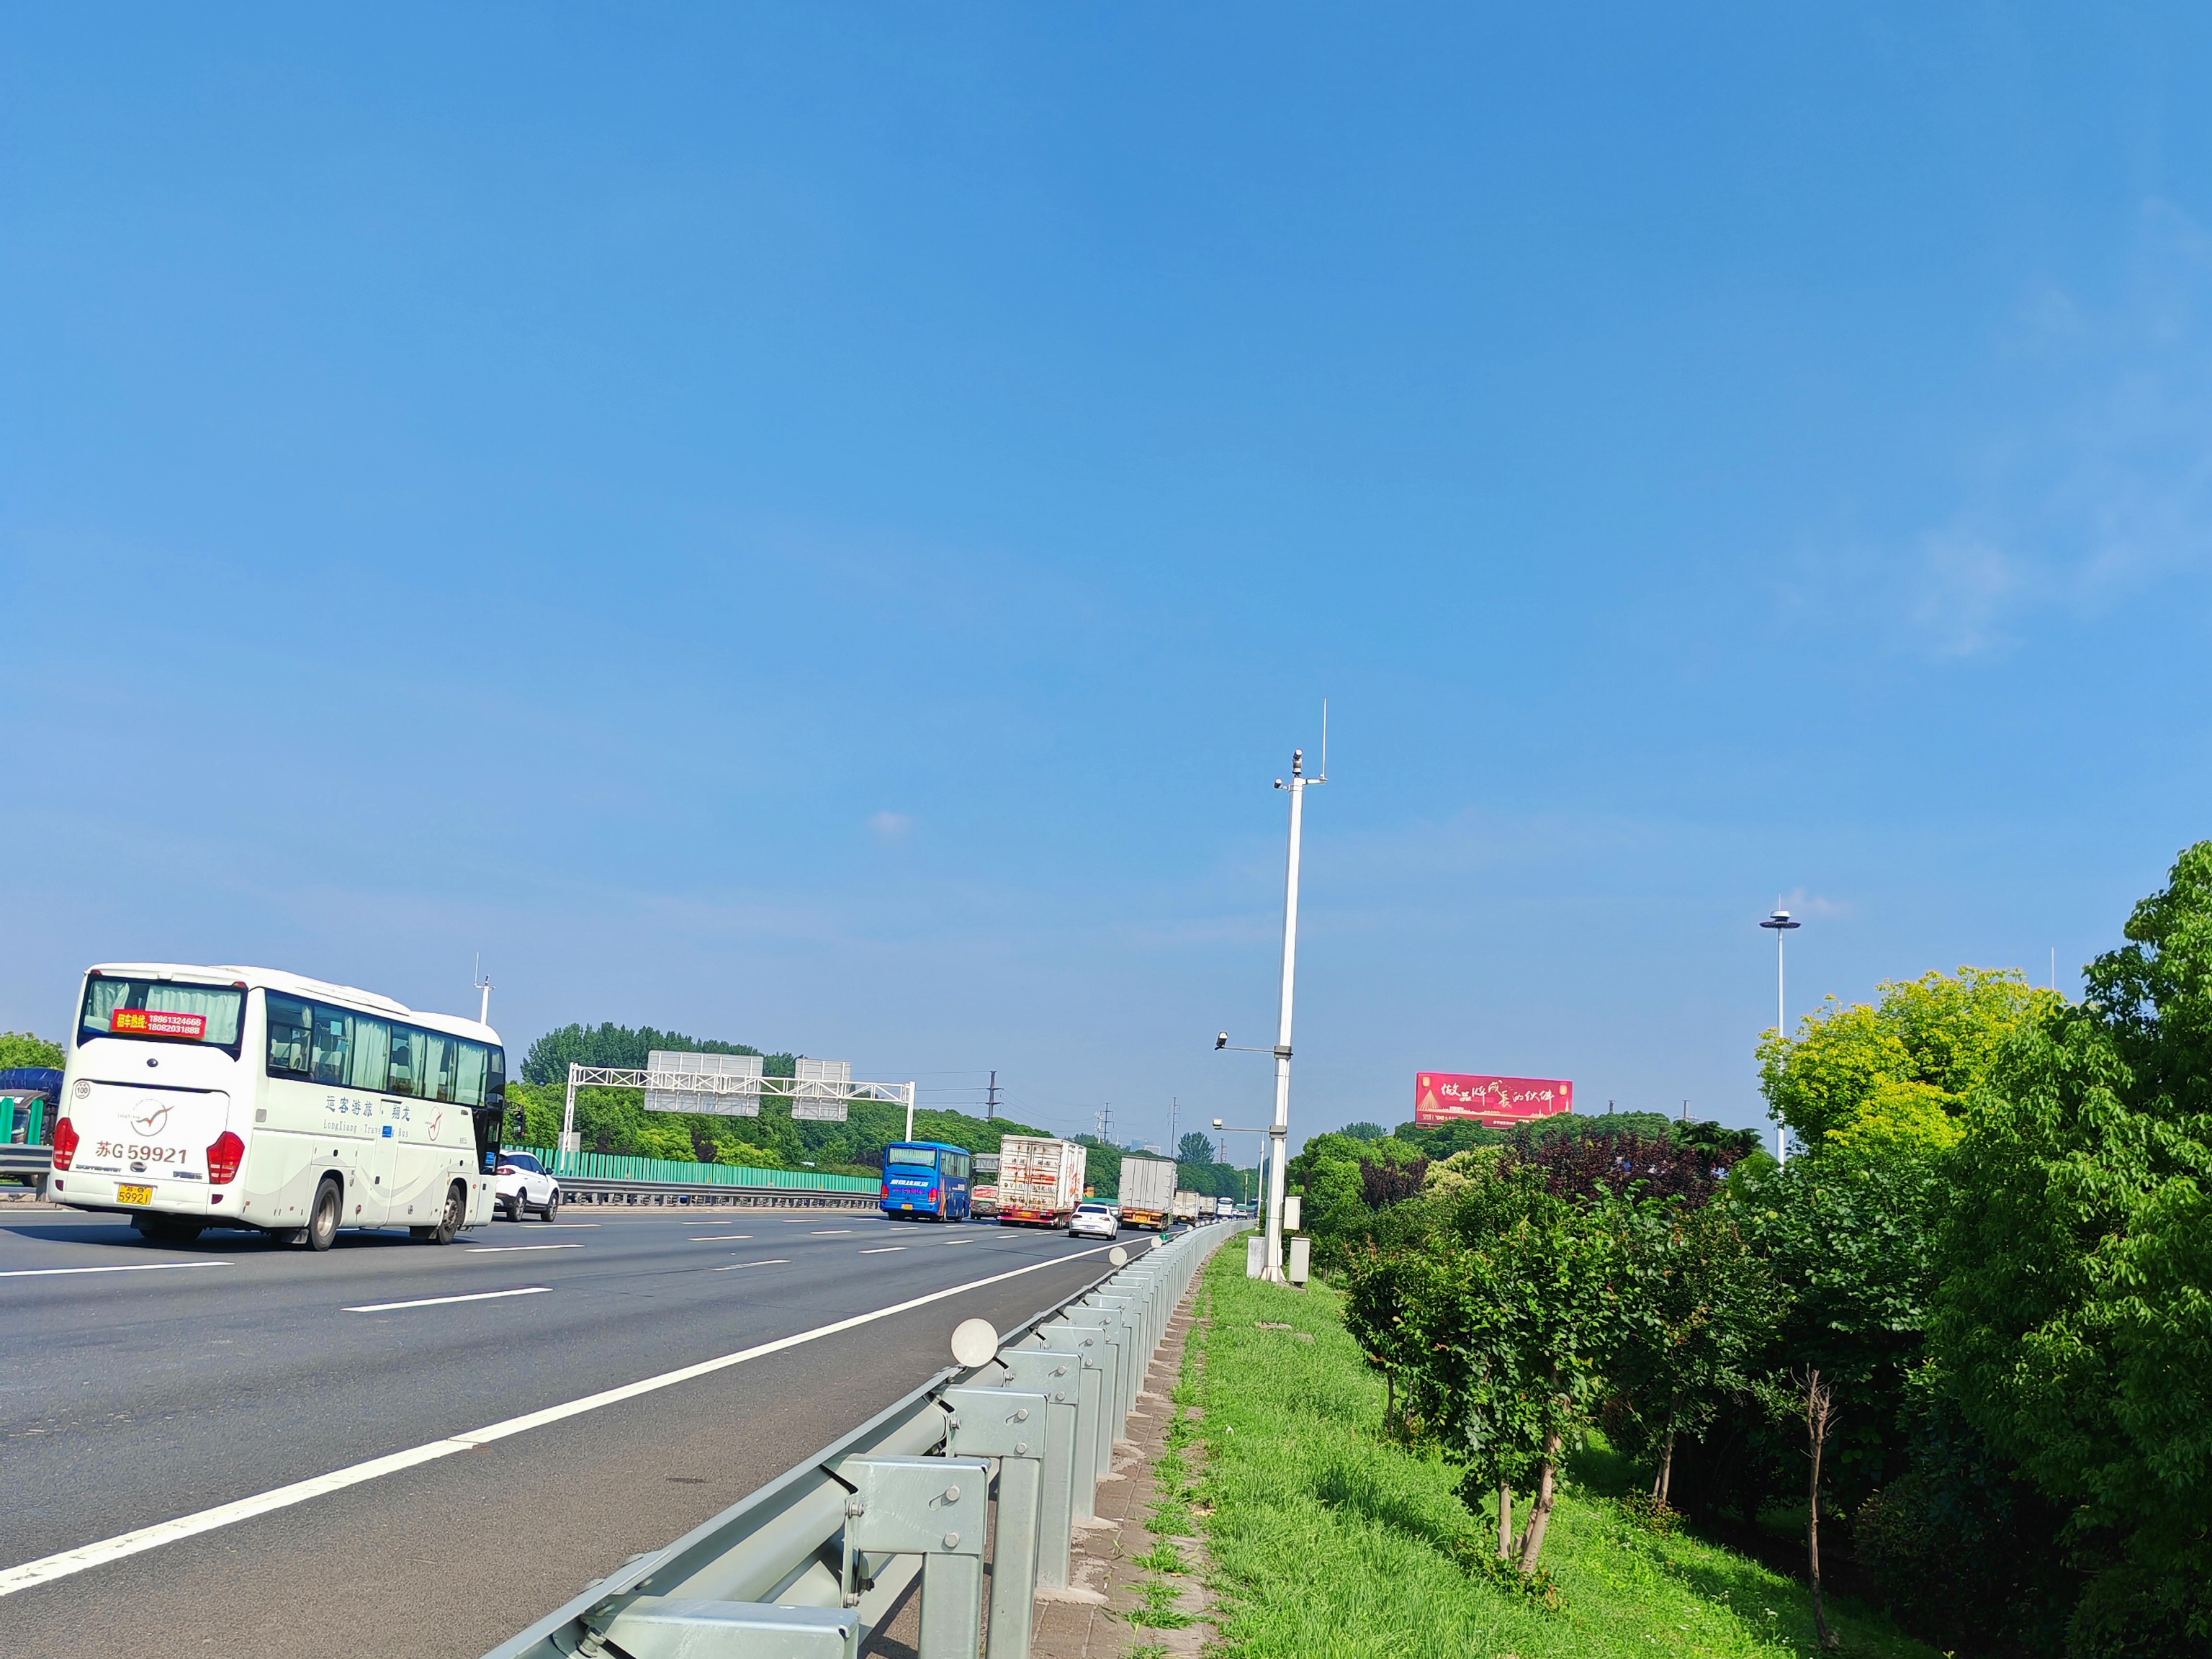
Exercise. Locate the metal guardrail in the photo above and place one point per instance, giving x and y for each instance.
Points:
(807, 1567)
(36, 1162)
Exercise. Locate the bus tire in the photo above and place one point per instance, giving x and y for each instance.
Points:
(323, 1218)
(457, 1214)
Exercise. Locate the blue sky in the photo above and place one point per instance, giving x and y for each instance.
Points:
(821, 527)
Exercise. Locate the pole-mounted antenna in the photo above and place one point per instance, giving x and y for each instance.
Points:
(483, 1008)
(1323, 778)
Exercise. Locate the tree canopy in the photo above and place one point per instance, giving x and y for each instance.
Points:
(22, 1049)
(625, 1046)
(2074, 1311)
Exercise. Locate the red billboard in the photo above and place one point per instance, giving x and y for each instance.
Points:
(1459, 1097)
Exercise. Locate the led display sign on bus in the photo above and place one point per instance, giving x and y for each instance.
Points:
(1461, 1097)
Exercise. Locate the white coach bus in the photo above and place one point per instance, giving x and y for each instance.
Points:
(194, 1097)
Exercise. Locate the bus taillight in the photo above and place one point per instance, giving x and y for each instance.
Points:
(224, 1157)
(65, 1143)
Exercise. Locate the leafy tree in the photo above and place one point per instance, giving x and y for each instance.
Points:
(1589, 1166)
(549, 1057)
(1365, 1131)
(21, 1048)
(1194, 1148)
(1494, 1333)
(1902, 1067)
(2075, 1310)
(1698, 1306)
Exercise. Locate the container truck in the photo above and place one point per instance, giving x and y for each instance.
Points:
(1147, 1193)
(1186, 1206)
(1040, 1180)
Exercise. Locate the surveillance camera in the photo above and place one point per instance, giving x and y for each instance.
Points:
(1221, 1040)
(1217, 1123)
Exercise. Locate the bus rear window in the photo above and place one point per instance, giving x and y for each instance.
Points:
(162, 1010)
(910, 1157)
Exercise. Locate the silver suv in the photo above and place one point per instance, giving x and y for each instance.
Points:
(524, 1185)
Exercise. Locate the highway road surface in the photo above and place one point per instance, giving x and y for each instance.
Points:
(142, 1388)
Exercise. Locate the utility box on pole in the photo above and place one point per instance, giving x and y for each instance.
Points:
(1291, 1213)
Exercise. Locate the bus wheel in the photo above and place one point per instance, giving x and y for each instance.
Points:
(322, 1219)
(457, 1211)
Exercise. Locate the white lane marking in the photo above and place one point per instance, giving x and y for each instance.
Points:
(572, 1223)
(950, 1243)
(129, 1267)
(776, 1261)
(883, 1250)
(835, 1232)
(717, 1239)
(86, 1556)
(440, 1301)
(504, 1249)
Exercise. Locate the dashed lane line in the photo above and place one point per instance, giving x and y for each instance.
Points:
(773, 1262)
(125, 1267)
(440, 1301)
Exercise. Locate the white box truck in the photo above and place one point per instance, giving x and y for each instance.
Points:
(1147, 1193)
(1040, 1180)
(1186, 1206)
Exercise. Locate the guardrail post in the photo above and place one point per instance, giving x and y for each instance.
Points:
(935, 1508)
(1055, 1377)
(1091, 1404)
(1011, 1426)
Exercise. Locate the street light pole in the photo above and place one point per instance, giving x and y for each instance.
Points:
(1279, 1133)
(1781, 923)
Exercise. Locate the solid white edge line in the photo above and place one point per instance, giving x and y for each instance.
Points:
(127, 1268)
(87, 1556)
(440, 1301)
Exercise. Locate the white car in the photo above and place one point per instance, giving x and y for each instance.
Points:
(524, 1185)
(1095, 1221)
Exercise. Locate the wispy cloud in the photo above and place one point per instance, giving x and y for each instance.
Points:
(2099, 489)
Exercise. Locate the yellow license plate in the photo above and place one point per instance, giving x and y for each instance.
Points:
(134, 1194)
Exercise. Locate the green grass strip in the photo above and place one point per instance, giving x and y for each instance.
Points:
(1328, 1542)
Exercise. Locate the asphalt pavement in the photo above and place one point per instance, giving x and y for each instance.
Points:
(215, 1374)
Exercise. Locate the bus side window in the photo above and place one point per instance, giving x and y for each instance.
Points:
(469, 1086)
(372, 1051)
(333, 1037)
(289, 1023)
(495, 1080)
(441, 1065)
(406, 1061)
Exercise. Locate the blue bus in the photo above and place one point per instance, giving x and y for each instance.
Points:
(925, 1178)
